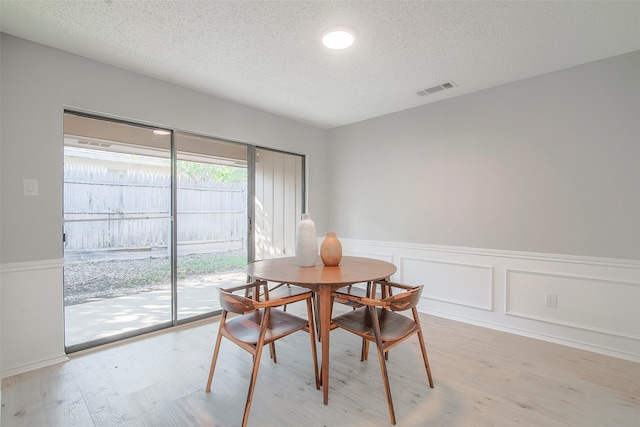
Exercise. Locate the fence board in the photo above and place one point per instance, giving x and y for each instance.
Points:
(115, 209)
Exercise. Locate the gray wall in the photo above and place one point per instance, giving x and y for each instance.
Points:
(38, 82)
(550, 164)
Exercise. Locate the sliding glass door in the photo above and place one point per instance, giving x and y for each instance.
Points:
(155, 220)
(117, 230)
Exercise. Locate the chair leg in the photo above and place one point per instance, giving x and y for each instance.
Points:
(285, 306)
(371, 292)
(364, 355)
(256, 366)
(383, 364)
(215, 351)
(316, 311)
(422, 347)
(312, 337)
(365, 351)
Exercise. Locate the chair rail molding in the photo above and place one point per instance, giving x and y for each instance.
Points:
(31, 265)
(596, 298)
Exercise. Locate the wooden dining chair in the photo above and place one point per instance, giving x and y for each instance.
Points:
(378, 289)
(379, 321)
(260, 323)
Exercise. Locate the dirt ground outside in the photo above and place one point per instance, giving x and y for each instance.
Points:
(94, 280)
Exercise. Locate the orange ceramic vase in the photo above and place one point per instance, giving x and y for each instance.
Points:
(331, 250)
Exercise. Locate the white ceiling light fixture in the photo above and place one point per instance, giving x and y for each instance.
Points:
(338, 37)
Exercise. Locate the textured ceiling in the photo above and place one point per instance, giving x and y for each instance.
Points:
(269, 55)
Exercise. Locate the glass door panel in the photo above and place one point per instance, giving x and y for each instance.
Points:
(117, 230)
(211, 218)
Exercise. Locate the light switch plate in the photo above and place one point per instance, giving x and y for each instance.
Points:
(30, 187)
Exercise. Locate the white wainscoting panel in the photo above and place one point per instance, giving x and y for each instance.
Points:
(598, 299)
(456, 283)
(32, 316)
(599, 305)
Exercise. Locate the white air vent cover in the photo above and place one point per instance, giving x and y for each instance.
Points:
(438, 88)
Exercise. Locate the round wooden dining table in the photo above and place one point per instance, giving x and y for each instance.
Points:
(323, 280)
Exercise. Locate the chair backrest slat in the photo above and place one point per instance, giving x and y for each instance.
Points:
(405, 300)
(235, 303)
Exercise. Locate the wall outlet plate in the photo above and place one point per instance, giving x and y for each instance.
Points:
(552, 300)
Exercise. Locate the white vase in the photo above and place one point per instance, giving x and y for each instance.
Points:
(306, 242)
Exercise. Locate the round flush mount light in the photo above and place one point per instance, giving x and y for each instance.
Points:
(338, 38)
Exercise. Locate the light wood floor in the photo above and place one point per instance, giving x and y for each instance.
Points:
(482, 378)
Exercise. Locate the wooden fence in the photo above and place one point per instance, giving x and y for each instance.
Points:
(108, 209)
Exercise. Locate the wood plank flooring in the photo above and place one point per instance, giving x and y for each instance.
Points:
(482, 378)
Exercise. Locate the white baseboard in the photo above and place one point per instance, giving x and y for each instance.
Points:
(15, 370)
(543, 337)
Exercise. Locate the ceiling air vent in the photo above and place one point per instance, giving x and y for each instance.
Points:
(438, 88)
